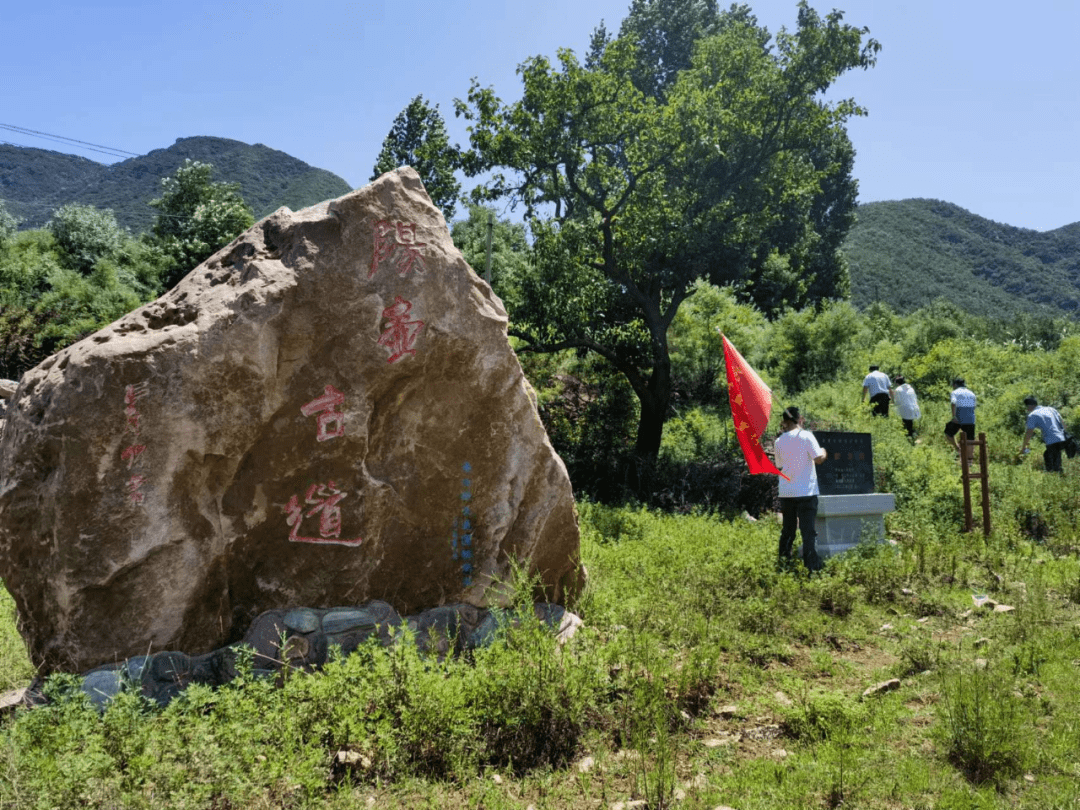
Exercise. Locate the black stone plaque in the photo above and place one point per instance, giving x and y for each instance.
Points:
(849, 467)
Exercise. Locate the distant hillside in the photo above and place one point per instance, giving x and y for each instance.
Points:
(909, 252)
(35, 182)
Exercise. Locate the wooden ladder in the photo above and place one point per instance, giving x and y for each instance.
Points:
(982, 476)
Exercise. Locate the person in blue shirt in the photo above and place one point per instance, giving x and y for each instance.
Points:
(962, 402)
(1048, 422)
(878, 386)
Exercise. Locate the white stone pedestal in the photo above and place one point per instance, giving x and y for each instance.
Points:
(844, 520)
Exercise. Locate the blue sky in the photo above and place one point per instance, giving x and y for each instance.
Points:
(976, 103)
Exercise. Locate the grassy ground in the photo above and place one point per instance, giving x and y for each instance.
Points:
(704, 678)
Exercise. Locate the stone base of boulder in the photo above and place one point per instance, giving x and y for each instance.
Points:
(305, 639)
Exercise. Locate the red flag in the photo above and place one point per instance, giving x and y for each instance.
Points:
(751, 403)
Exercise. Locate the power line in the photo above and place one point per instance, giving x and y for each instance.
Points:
(95, 147)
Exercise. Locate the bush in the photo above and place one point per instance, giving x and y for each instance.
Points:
(821, 717)
(86, 235)
(985, 730)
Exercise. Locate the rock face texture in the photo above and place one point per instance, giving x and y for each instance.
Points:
(325, 412)
(7, 391)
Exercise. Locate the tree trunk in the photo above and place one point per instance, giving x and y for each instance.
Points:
(650, 431)
(654, 401)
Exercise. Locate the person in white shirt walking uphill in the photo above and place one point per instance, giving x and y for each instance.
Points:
(797, 456)
(877, 385)
(1048, 422)
(907, 405)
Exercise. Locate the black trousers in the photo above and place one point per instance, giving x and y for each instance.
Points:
(1052, 456)
(801, 512)
(881, 404)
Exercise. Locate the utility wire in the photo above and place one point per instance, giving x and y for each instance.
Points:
(96, 147)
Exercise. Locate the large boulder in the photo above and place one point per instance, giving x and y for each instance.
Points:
(325, 412)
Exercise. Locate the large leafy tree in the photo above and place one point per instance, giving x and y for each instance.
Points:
(509, 248)
(635, 194)
(418, 138)
(86, 234)
(48, 302)
(664, 34)
(197, 216)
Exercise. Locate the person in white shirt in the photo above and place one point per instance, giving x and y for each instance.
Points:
(797, 454)
(907, 405)
(877, 385)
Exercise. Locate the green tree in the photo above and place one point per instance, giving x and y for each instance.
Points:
(632, 196)
(664, 34)
(806, 346)
(197, 217)
(46, 305)
(509, 248)
(8, 224)
(86, 234)
(418, 138)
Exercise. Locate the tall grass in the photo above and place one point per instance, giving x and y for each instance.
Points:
(684, 616)
(15, 667)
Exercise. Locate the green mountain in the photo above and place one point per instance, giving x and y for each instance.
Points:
(906, 253)
(35, 182)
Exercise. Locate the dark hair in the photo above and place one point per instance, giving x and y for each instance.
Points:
(1031, 402)
(791, 414)
(900, 380)
(958, 382)
(873, 368)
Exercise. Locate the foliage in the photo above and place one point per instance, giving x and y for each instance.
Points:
(664, 33)
(588, 413)
(45, 304)
(509, 249)
(633, 197)
(38, 181)
(821, 716)
(8, 224)
(196, 217)
(16, 671)
(418, 138)
(908, 253)
(984, 726)
(806, 345)
(85, 234)
(697, 364)
(691, 634)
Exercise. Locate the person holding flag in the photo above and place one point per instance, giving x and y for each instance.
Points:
(751, 404)
(797, 455)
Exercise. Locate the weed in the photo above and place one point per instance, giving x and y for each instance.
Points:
(821, 716)
(984, 727)
(836, 596)
(650, 724)
(917, 654)
(17, 669)
(1073, 589)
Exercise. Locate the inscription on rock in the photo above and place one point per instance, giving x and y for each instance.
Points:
(298, 438)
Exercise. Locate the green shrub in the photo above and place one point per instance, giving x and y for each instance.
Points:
(821, 716)
(876, 568)
(984, 728)
(86, 234)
